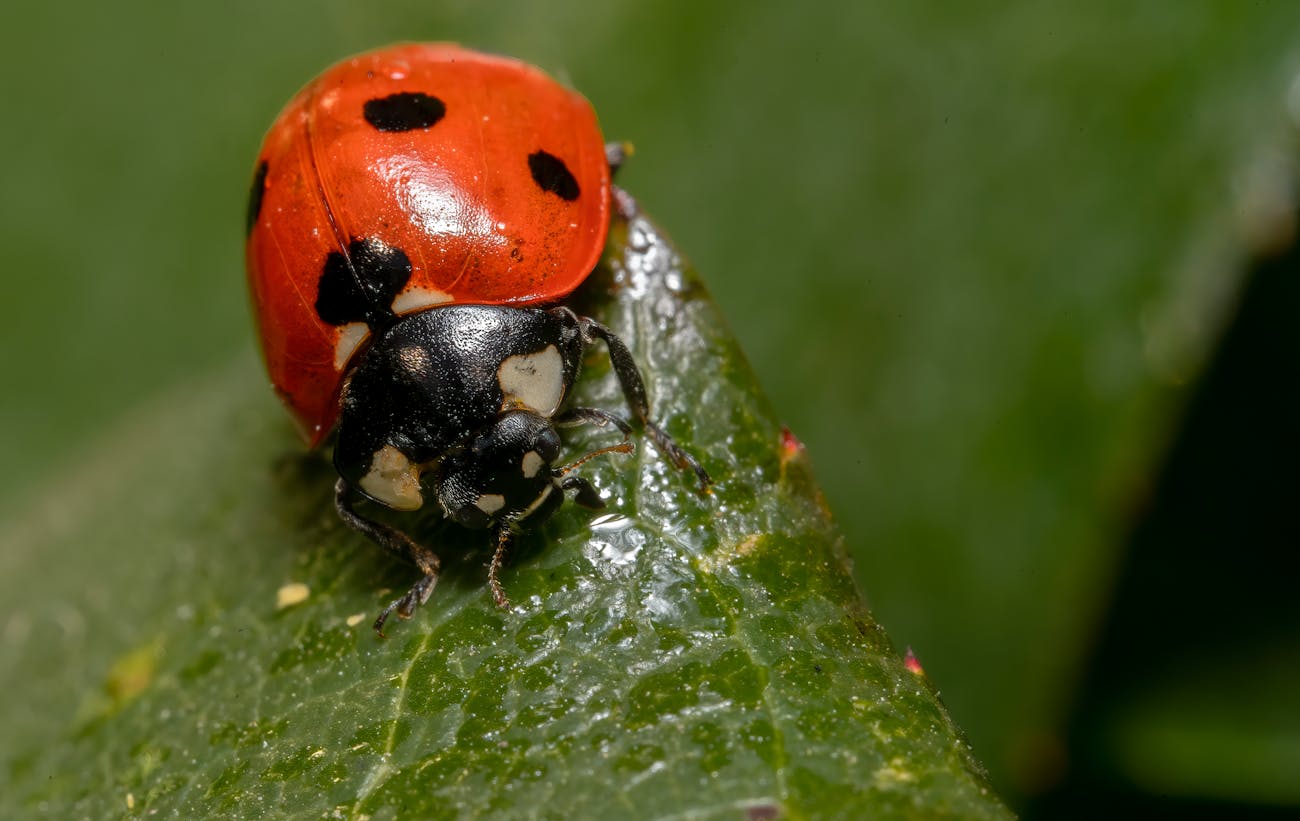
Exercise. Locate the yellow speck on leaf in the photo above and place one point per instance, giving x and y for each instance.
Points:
(291, 594)
(132, 673)
(894, 774)
(726, 554)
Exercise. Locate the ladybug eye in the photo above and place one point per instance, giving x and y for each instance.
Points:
(551, 174)
(404, 111)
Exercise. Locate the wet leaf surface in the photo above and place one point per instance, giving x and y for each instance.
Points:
(186, 630)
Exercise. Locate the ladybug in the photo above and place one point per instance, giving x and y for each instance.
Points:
(417, 214)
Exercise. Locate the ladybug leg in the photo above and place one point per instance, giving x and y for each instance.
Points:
(405, 606)
(401, 546)
(587, 495)
(594, 416)
(616, 153)
(573, 417)
(624, 204)
(629, 378)
(504, 536)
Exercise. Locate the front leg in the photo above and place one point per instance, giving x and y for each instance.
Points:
(504, 536)
(400, 545)
(629, 378)
(616, 154)
(593, 416)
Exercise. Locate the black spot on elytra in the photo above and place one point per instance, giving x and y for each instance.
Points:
(255, 196)
(361, 286)
(404, 111)
(551, 174)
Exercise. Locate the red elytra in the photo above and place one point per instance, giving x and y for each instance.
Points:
(487, 174)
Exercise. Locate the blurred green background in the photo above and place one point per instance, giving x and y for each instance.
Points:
(1018, 273)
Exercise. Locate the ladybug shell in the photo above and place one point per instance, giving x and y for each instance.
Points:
(409, 177)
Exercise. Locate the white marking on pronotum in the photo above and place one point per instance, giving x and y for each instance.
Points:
(490, 503)
(533, 380)
(393, 480)
(531, 464)
(416, 298)
(351, 336)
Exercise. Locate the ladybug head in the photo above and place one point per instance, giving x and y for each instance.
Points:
(503, 473)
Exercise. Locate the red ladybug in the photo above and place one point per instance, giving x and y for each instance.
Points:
(409, 177)
(408, 207)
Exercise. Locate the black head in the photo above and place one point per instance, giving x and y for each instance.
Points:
(503, 474)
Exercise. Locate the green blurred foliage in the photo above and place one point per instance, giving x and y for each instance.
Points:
(977, 252)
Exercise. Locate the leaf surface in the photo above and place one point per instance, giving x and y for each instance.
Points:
(187, 625)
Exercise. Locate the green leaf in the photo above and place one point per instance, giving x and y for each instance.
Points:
(187, 625)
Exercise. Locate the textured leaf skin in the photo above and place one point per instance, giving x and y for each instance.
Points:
(678, 655)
